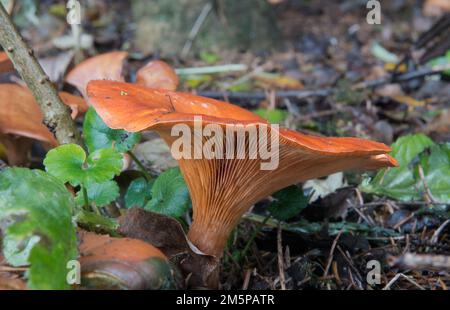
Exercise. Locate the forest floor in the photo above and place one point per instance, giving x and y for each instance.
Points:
(327, 48)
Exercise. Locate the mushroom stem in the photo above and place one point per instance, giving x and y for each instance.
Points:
(210, 238)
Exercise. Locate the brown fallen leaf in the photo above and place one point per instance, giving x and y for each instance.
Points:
(122, 263)
(77, 104)
(441, 124)
(436, 7)
(409, 101)
(20, 114)
(5, 63)
(21, 121)
(167, 235)
(157, 74)
(10, 280)
(269, 80)
(106, 66)
(16, 149)
(56, 66)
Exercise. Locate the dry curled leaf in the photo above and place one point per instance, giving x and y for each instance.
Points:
(77, 105)
(106, 66)
(20, 114)
(5, 63)
(21, 120)
(436, 7)
(167, 235)
(157, 74)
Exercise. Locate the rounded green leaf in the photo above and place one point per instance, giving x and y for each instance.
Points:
(102, 165)
(65, 162)
(97, 135)
(170, 195)
(99, 194)
(68, 163)
(138, 193)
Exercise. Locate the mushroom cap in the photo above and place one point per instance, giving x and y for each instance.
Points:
(157, 74)
(5, 63)
(104, 66)
(222, 189)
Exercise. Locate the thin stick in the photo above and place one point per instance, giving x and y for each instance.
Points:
(211, 69)
(330, 257)
(397, 276)
(435, 237)
(196, 28)
(302, 94)
(56, 113)
(280, 258)
(140, 165)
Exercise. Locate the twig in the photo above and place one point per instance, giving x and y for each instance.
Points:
(56, 113)
(195, 29)
(435, 237)
(259, 95)
(397, 276)
(301, 94)
(429, 195)
(330, 257)
(211, 69)
(140, 165)
(280, 259)
(248, 274)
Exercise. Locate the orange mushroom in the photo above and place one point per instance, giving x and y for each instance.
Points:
(20, 116)
(122, 263)
(222, 190)
(5, 63)
(105, 66)
(157, 74)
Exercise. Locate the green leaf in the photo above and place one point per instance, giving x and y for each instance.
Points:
(436, 169)
(404, 182)
(441, 61)
(99, 194)
(68, 163)
(274, 116)
(35, 205)
(209, 58)
(170, 195)
(288, 203)
(408, 147)
(138, 193)
(97, 135)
